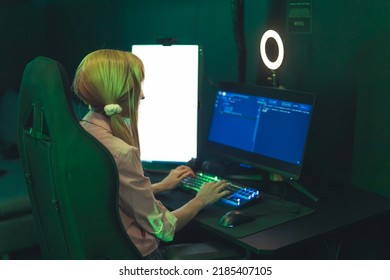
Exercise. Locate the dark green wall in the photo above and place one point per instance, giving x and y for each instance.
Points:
(78, 27)
(345, 61)
(22, 37)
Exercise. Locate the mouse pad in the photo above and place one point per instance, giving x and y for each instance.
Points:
(268, 212)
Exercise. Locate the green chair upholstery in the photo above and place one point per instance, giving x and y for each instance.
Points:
(72, 179)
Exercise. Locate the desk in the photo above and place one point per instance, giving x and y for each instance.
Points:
(335, 212)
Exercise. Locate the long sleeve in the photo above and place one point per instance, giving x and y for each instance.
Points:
(137, 200)
(144, 218)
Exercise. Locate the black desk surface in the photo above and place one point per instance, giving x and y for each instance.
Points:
(336, 211)
(342, 210)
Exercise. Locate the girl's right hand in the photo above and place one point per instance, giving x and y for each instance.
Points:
(211, 192)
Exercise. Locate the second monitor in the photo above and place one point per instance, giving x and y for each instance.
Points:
(168, 116)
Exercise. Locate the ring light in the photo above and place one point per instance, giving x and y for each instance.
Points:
(275, 64)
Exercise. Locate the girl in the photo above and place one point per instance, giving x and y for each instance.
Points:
(109, 82)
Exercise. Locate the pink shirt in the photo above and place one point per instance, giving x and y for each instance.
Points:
(145, 219)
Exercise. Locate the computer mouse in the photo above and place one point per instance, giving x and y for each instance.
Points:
(234, 218)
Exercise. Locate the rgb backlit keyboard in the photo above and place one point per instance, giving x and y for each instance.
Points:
(238, 195)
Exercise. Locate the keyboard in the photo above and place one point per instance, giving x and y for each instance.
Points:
(238, 196)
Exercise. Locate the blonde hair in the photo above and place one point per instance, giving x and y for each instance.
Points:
(112, 77)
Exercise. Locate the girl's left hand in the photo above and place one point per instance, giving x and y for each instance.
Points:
(175, 176)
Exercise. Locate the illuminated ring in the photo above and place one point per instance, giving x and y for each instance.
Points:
(271, 34)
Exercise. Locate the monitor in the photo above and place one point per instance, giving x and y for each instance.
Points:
(168, 116)
(261, 126)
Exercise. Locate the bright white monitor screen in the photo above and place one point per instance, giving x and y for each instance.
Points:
(168, 116)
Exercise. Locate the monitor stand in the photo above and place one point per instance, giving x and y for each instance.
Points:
(275, 177)
(302, 189)
(159, 166)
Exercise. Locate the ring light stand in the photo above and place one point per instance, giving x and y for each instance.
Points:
(273, 66)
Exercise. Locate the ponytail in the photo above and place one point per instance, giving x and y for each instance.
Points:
(107, 80)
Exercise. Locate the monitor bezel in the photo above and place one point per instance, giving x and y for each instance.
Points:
(272, 165)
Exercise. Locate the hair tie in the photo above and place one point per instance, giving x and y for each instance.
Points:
(112, 109)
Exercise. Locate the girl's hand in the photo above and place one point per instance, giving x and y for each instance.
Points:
(174, 177)
(211, 192)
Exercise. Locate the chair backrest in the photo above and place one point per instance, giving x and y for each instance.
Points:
(72, 178)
